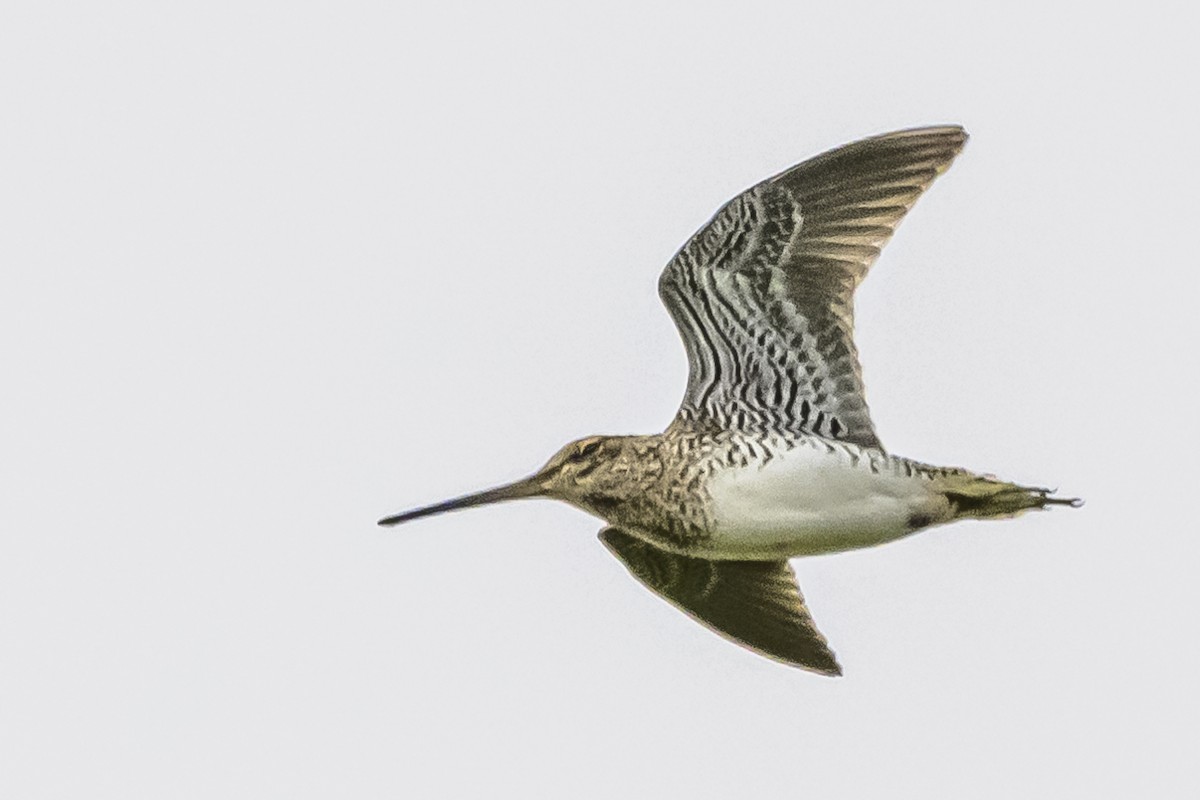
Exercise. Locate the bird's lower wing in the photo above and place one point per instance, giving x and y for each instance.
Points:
(754, 603)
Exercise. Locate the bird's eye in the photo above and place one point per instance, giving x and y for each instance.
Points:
(585, 449)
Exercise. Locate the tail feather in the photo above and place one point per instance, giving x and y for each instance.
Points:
(973, 496)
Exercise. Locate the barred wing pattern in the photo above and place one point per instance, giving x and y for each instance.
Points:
(754, 603)
(763, 295)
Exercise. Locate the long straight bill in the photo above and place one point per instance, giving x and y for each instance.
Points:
(529, 487)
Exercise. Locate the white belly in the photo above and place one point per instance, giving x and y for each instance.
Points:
(808, 500)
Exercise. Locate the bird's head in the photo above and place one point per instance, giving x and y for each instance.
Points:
(574, 474)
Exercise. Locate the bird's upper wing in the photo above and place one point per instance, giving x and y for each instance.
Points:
(754, 603)
(763, 294)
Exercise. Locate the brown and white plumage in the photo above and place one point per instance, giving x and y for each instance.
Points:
(772, 453)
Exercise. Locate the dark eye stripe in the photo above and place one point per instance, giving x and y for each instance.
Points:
(586, 450)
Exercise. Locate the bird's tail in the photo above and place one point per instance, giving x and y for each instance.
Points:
(980, 497)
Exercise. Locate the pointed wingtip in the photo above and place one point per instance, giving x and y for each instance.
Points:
(834, 671)
(829, 668)
(952, 131)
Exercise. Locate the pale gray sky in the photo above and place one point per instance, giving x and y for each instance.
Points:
(273, 270)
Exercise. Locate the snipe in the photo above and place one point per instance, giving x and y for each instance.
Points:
(772, 454)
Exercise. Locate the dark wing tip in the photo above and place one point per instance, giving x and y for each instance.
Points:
(820, 659)
(948, 134)
(833, 670)
(934, 147)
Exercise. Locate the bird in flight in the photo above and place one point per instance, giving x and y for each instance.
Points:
(772, 454)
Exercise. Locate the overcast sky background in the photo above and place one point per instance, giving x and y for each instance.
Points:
(273, 270)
